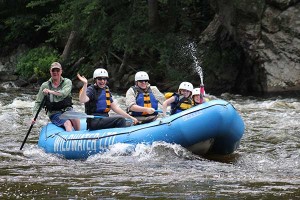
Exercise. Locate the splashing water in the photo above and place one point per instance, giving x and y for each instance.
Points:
(7, 85)
(198, 68)
(266, 165)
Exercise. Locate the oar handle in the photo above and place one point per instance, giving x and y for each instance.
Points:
(94, 116)
(160, 111)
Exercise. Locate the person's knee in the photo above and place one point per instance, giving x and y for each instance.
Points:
(76, 124)
(68, 126)
(121, 122)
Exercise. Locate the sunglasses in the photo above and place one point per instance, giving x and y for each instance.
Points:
(142, 81)
(101, 78)
(55, 70)
(183, 90)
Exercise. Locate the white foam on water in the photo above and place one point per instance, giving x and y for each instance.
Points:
(17, 103)
(8, 85)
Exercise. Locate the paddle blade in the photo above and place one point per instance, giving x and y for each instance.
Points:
(73, 115)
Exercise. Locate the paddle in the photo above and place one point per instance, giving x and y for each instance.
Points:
(36, 115)
(202, 92)
(78, 115)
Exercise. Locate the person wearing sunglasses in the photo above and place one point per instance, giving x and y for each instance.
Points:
(57, 91)
(142, 99)
(180, 101)
(98, 101)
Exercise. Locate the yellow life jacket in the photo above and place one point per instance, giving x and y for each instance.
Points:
(182, 103)
(147, 102)
(185, 103)
(169, 95)
(107, 95)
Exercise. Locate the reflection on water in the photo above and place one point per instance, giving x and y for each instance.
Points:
(266, 166)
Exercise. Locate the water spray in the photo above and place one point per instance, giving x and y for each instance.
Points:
(198, 70)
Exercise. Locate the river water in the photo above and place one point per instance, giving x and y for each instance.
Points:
(266, 165)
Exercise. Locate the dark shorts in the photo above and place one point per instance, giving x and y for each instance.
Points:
(107, 122)
(55, 119)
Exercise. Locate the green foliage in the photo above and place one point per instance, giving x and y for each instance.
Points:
(18, 25)
(36, 62)
(116, 26)
(105, 28)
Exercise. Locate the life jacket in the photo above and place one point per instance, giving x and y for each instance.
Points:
(57, 106)
(169, 95)
(144, 99)
(101, 103)
(180, 104)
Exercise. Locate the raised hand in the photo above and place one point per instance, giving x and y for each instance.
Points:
(82, 79)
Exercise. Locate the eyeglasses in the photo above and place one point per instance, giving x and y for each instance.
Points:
(142, 81)
(55, 70)
(101, 78)
(183, 90)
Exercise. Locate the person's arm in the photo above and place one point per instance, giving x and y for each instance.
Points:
(38, 102)
(83, 98)
(137, 108)
(166, 103)
(119, 111)
(55, 93)
(38, 99)
(130, 98)
(64, 91)
(158, 95)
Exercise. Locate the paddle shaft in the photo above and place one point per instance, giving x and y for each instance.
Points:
(201, 86)
(94, 116)
(36, 115)
(78, 115)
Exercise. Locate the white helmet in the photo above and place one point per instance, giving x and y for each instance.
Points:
(100, 72)
(141, 76)
(186, 86)
(196, 91)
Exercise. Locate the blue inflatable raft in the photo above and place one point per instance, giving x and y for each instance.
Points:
(212, 127)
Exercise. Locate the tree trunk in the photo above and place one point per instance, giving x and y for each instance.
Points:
(153, 15)
(75, 67)
(68, 48)
(123, 62)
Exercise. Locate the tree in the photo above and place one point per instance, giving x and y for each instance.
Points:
(124, 35)
(153, 15)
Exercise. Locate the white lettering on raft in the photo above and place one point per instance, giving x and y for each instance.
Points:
(81, 142)
(192, 115)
